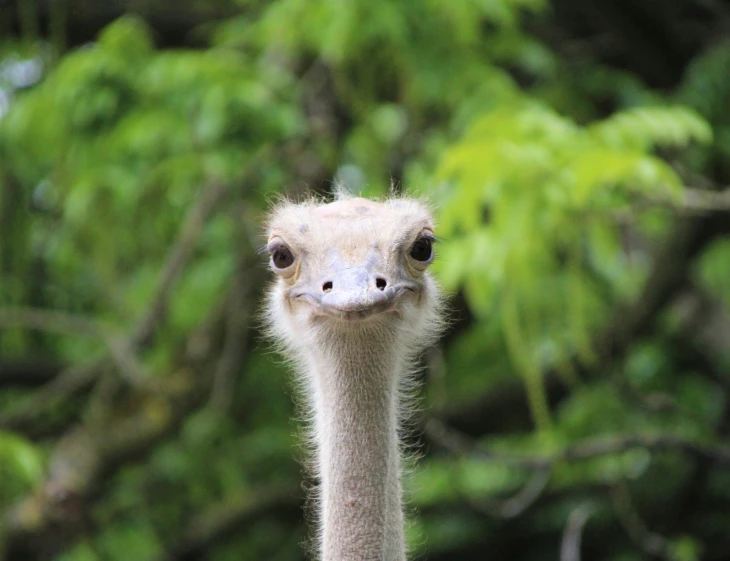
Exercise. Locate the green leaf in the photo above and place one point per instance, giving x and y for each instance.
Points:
(128, 37)
(21, 458)
(643, 127)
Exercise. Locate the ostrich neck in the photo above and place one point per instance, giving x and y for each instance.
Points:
(355, 386)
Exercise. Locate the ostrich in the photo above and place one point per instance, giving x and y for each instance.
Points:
(353, 305)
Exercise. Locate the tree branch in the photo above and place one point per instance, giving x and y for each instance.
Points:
(517, 504)
(234, 512)
(570, 546)
(119, 349)
(459, 443)
(48, 320)
(177, 258)
(694, 202)
(702, 200)
(648, 541)
(238, 311)
(24, 414)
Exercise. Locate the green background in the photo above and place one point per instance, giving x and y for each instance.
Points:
(576, 155)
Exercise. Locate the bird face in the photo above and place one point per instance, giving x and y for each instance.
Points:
(352, 259)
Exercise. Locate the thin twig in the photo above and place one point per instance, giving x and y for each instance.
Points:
(511, 507)
(119, 349)
(237, 319)
(48, 320)
(528, 496)
(177, 258)
(234, 347)
(650, 542)
(69, 382)
(693, 202)
(517, 504)
(128, 363)
(701, 200)
(461, 444)
(101, 398)
(570, 546)
(233, 512)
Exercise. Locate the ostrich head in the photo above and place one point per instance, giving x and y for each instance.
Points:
(353, 264)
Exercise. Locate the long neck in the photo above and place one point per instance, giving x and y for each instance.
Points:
(355, 383)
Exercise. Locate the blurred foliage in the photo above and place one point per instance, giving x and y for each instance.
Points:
(554, 189)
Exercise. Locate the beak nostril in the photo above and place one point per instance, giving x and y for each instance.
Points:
(327, 287)
(381, 283)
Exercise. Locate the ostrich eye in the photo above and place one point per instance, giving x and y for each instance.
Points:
(282, 257)
(422, 250)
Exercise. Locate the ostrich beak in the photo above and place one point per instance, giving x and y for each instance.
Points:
(355, 293)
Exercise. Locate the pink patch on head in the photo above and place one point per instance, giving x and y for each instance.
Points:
(347, 209)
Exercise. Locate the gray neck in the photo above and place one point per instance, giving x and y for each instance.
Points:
(355, 388)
